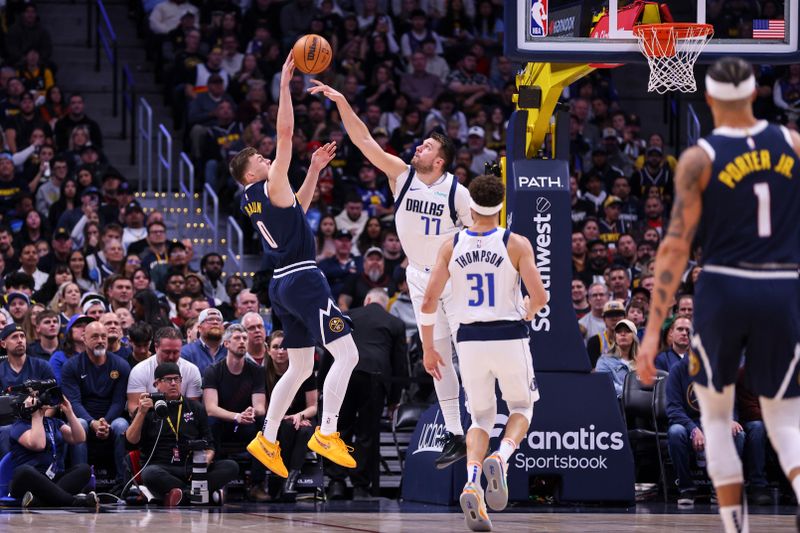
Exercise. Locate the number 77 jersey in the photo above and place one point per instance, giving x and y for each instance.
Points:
(752, 201)
(486, 286)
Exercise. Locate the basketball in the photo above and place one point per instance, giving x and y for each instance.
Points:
(312, 53)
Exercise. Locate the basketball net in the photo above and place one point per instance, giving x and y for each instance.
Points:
(671, 50)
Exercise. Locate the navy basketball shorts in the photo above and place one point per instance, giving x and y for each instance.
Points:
(746, 314)
(302, 301)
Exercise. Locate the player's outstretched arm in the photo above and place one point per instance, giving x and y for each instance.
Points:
(431, 359)
(691, 178)
(389, 164)
(280, 192)
(520, 248)
(319, 160)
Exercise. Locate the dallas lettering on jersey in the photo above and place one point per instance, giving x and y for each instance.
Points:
(754, 161)
(252, 208)
(424, 207)
(479, 256)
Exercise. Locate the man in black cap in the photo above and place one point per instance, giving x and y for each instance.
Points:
(17, 368)
(167, 475)
(60, 250)
(342, 264)
(133, 216)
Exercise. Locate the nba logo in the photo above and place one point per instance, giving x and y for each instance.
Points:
(539, 18)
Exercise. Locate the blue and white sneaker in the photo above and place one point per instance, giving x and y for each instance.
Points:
(474, 508)
(494, 468)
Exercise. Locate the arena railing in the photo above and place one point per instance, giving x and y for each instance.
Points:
(105, 36)
(692, 126)
(164, 167)
(235, 253)
(210, 218)
(144, 137)
(186, 179)
(129, 110)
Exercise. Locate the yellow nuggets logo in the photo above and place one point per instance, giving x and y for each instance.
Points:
(336, 324)
(694, 364)
(114, 374)
(691, 399)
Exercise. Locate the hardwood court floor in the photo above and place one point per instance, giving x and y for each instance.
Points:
(383, 518)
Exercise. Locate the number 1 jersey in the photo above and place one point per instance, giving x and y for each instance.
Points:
(752, 201)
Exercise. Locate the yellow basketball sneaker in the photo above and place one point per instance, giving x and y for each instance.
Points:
(268, 453)
(333, 448)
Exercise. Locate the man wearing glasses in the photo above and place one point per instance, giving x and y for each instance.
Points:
(167, 475)
(168, 343)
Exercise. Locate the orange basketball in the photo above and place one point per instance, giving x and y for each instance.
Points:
(312, 53)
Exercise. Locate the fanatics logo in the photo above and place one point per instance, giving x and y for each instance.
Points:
(336, 324)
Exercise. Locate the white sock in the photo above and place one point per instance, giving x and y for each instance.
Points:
(507, 447)
(448, 388)
(734, 519)
(271, 429)
(301, 365)
(474, 470)
(451, 412)
(796, 487)
(329, 421)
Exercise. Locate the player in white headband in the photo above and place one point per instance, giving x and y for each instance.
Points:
(741, 184)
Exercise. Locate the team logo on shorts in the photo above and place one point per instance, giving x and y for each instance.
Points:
(694, 364)
(336, 324)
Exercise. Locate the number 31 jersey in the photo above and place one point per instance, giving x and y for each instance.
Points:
(752, 200)
(426, 216)
(486, 286)
(285, 234)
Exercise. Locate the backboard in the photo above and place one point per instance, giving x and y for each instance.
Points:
(568, 31)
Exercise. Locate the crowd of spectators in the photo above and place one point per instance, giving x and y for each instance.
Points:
(101, 297)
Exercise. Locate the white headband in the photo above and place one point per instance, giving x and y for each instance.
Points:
(720, 90)
(485, 211)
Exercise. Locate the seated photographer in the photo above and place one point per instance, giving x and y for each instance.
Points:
(179, 421)
(234, 398)
(298, 424)
(95, 382)
(18, 368)
(168, 342)
(37, 453)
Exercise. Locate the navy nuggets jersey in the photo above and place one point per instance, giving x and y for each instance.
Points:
(285, 233)
(751, 202)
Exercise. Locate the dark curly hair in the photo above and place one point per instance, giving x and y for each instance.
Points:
(487, 190)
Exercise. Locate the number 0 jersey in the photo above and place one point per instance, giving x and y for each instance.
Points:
(751, 203)
(486, 286)
(426, 216)
(285, 234)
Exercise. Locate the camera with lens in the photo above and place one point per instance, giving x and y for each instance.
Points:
(45, 392)
(160, 405)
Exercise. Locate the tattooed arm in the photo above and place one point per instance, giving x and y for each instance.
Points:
(692, 174)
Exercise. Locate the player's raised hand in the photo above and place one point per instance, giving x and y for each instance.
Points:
(287, 71)
(431, 360)
(327, 91)
(323, 155)
(645, 360)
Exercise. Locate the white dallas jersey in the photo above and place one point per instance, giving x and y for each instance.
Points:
(426, 216)
(486, 286)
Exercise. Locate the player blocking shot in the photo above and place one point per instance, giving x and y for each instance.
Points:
(430, 207)
(741, 187)
(300, 294)
(485, 265)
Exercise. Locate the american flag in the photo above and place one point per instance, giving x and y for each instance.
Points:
(769, 29)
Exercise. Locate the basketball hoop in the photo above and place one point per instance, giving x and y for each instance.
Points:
(671, 50)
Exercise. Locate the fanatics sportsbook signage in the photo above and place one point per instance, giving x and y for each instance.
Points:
(577, 432)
